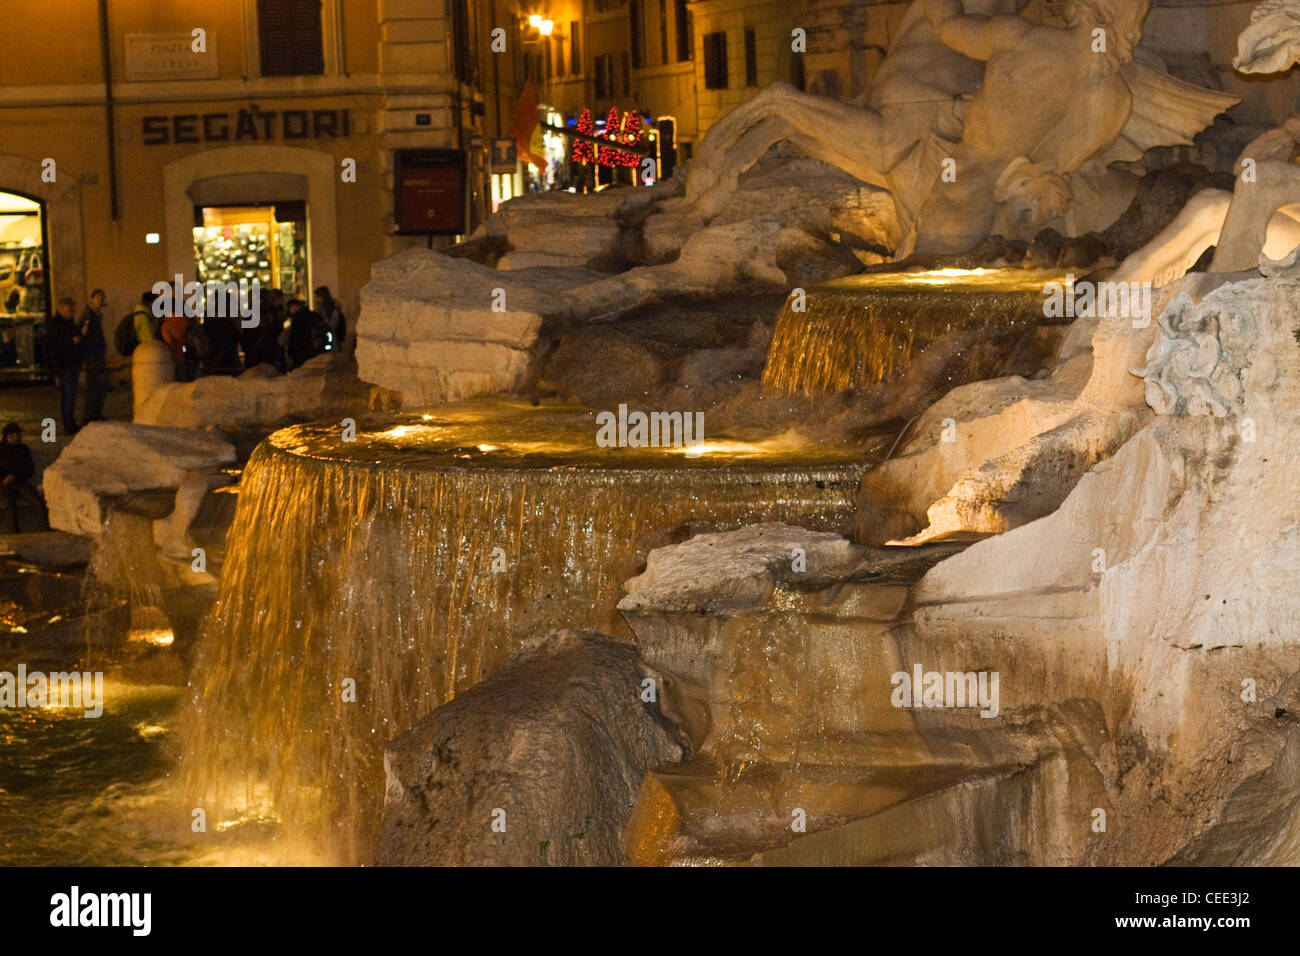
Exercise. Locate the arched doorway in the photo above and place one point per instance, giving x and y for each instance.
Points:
(42, 256)
(24, 284)
(292, 186)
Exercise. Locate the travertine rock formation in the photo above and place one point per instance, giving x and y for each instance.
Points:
(1144, 635)
(107, 460)
(438, 328)
(1271, 43)
(260, 398)
(538, 765)
(995, 455)
(1173, 562)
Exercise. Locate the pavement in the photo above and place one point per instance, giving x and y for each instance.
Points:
(29, 405)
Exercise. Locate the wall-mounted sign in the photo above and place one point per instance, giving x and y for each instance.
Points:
(430, 192)
(503, 156)
(250, 125)
(169, 56)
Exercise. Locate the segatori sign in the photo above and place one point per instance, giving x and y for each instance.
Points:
(246, 125)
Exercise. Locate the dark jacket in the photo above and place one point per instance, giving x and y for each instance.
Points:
(16, 460)
(60, 351)
(338, 326)
(307, 336)
(93, 343)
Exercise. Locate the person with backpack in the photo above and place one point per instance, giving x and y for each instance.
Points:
(63, 358)
(94, 348)
(137, 326)
(308, 333)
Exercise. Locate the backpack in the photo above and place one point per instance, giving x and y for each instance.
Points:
(124, 336)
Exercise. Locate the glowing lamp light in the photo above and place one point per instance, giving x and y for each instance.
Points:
(535, 20)
(545, 27)
(152, 238)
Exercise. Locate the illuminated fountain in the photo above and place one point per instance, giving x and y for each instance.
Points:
(869, 329)
(369, 581)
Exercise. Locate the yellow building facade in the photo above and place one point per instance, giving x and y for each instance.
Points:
(144, 139)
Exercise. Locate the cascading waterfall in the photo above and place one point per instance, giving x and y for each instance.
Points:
(369, 581)
(868, 329)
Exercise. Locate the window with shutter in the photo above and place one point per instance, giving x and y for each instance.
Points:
(663, 31)
(715, 61)
(683, 21)
(463, 25)
(634, 22)
(290, 37)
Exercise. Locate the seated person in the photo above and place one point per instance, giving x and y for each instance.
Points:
(16, 468)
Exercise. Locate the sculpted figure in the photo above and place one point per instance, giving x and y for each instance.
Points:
(1031, 116)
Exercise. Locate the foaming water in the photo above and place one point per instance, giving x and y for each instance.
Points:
(369, 581)
(868, 329)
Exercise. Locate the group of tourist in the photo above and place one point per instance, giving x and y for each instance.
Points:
(289, 333)
(286, 335)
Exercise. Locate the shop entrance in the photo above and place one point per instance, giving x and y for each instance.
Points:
(266, 242)
(24, 284)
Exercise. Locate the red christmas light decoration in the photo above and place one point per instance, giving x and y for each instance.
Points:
(607, 156)
(631, 136)
(582, 151)
(624, 130)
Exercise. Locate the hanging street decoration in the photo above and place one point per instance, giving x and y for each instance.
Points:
(583, 151)
(625, 130)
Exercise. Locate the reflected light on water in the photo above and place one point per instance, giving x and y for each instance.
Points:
(157, 636)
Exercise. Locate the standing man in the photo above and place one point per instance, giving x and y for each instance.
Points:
(16, 468)
(94, 348)
(63, 358)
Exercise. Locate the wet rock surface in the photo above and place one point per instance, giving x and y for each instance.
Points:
(538, 765)
(1145, 680)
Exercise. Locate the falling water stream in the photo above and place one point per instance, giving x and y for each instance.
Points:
(868, 329)
(369, 581)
